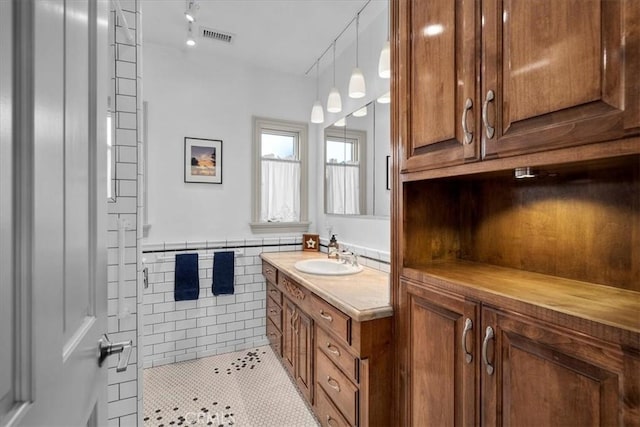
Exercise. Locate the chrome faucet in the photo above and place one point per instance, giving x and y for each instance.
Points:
(351, 258)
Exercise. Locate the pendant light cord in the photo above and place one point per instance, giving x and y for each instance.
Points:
(318, 79)
(334, 63)
(357, 38)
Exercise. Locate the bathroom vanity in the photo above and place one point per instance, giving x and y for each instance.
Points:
(333, 334)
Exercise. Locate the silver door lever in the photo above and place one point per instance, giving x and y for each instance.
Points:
(107, 348)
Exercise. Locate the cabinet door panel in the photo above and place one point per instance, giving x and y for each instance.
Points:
(288, 336)
(438, 44)
(304, 355)
(558, 72)
(544, 377)
(441, 385)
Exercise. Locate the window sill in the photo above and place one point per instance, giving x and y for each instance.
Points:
(279, 227)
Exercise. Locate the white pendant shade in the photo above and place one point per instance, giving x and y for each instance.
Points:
(385, 99)
(341, 123)
(384, 64)
(334, 102)
(361, 112)
(357, 87)
(317, 114)
(191, 41)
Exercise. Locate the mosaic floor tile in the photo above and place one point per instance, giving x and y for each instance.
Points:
(245, 388)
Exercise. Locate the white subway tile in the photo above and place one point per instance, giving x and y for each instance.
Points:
(113, 393)
(164, 361)
(164, 327)
(164, 347)
(244, 315)
(197, 332)
(123, 407)
(227, 336)
(196, 312)
(186, 324)
(128, 389)
(206, 321)
(225, 299)
(175, 315)
(175, 335)
(164, 307)
(206, 340)
(216, 329)
(244, 297)
(154, 339)
(235, 326)
(184, 357)
(234, 308)
(186, 305)
(191, 342)
(226, 318)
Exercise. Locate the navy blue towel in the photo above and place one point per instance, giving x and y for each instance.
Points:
(187, 283)
(223, 273)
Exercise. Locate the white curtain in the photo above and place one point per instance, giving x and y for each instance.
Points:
(280, 191)
(343, 189)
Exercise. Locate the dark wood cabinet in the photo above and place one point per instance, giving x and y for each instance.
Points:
(500, 78)
(557, 73)
(297, 347)
(438, 51)
(289, 338)
(536, 374)
(441, 357)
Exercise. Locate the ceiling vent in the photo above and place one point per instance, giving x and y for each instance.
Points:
(221, 36)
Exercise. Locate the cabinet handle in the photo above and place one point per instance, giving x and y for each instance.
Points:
(485, 114)
(485, 344)
(468, 325)
(333, 383)
(273, 291)
(468, 135)
(329, 421)
(326, 316)
(333, 350)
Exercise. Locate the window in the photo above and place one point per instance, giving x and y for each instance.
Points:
(345, 179)
(280, 176)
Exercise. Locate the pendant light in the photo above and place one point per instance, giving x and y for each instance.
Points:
(357, 87)
(384, 64)
(385, 98)
(191, 41)
(334, 102)
(191, 10)
(317, 114)
(361, 112)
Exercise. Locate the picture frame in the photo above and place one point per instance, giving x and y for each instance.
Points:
(202, 160)
(311, 242)
(388, 172)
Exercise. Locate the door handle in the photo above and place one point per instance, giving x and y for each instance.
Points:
(107, 348)
(485, 114)
(468, 325)
(468, 135)
(489, 334)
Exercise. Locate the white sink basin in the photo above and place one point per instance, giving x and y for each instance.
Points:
(326, 267)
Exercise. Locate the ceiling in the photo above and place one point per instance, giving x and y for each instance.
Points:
(283, 35)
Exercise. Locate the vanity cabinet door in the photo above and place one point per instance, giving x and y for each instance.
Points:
(538, 374)
(437, 82)
(557, 73)
(439, 335)
(288, 336)
(304, 355)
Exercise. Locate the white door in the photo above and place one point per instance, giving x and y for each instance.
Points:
(53, 290)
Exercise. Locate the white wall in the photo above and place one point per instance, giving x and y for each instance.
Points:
(194, 94)
(369, 232)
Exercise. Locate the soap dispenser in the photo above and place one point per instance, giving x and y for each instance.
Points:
(333, 248)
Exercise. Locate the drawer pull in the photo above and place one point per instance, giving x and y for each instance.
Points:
(272, 311)
(333, 350)
(330, 421)
(326, 316)
(268, 270)
(273, 291)
(333, 383)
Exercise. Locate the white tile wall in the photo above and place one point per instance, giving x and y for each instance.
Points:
(124, 389)
(184, 330)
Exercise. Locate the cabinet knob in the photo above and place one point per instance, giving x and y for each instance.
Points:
(468, 135)
(489, 335)
(490, 130)
(468, 325)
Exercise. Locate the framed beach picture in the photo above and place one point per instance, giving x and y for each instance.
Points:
(203, 160)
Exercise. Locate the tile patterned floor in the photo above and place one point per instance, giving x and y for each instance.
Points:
(245, 388)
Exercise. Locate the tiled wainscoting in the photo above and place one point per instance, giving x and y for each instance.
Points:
(184, 330)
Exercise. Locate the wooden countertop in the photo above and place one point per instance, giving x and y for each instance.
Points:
(362, 296)
(608, 312)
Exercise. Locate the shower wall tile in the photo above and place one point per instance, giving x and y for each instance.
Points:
(184, 330)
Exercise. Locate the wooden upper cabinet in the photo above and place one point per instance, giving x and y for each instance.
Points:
(437, 82)
(557, 73)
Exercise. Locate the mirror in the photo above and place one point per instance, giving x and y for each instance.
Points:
(356, 151)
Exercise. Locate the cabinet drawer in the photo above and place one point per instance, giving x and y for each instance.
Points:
(296, 293)
(274, 293)
(337, 386)
(275, 337)
(337, 353)
(270, 272)
(328, 415)
(331, 318)
(274, 313)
